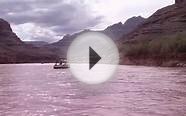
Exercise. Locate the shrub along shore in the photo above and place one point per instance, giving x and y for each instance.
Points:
(161, 51)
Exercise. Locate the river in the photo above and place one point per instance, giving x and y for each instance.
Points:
(39, 90)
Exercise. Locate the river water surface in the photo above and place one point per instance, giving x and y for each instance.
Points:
(39, 90)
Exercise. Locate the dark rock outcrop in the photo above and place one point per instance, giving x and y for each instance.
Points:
(6, 35)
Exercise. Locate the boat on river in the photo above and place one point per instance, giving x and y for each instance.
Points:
(62, 64)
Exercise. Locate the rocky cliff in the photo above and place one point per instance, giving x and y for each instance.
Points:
(166, 21)
(118, 30)
(6, 34)
(13, 50)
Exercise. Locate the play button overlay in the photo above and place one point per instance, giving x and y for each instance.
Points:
(93, 58)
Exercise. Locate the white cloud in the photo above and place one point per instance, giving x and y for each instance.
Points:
(30, 31)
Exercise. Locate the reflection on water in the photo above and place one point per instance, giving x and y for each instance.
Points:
(36, 89)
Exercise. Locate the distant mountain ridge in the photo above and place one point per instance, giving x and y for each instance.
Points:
(115, 31)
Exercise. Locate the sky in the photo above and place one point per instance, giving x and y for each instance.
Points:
(50, 20)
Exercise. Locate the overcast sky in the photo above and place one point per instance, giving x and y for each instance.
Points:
(49, 20)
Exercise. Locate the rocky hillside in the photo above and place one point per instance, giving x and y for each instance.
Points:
(166, 21)
(61, 47)
(160, 40)
(7, 37)
(13, 50)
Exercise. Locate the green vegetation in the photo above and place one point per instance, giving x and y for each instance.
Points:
(164, 47)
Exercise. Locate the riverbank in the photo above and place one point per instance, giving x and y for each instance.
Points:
(153, 62)
(128, 61)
